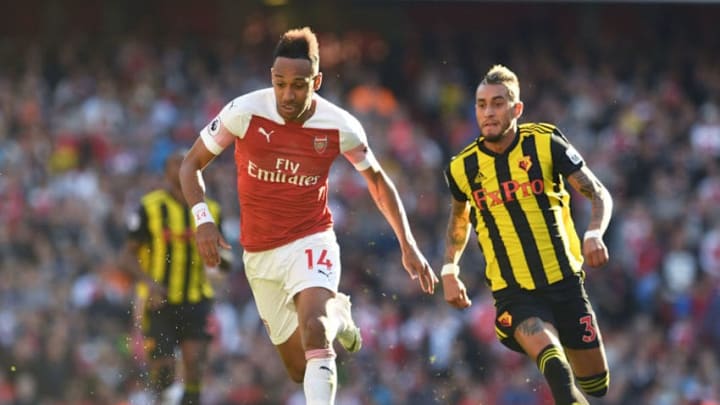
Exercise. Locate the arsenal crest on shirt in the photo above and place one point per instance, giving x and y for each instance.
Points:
(320, 143)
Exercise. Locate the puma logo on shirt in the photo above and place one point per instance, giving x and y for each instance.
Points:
(265, 133)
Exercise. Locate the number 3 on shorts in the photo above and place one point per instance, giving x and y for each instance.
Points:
(322, 260)
(590, 333)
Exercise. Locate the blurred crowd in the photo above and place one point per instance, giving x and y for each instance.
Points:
(86, 122)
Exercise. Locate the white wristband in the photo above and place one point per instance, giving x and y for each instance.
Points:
(594, 233)
(201, 213)
(450, 268)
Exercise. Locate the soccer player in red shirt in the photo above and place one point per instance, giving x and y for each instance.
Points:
(286, 138)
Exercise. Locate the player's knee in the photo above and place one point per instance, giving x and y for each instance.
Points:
(595, 385)
(315, 334)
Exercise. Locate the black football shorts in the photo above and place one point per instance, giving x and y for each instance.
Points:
(564, 304)
(166, 327)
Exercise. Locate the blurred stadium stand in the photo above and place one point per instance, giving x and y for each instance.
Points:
(94, 95)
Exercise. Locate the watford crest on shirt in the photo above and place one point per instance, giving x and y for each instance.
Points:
(505, 319)
(525, 163)
(320, 143)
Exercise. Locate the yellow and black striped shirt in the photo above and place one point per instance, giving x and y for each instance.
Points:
(520, 209)
(168, 252)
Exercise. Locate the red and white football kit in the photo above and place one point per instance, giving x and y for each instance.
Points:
(282, 168)
(282, 183)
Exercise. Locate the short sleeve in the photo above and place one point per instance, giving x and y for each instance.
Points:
(354, 144)
(566, 159)
(234, 118)
(452, 185)
(137, 225)
(352, 134)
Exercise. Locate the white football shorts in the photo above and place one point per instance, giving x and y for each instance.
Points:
(276, 275)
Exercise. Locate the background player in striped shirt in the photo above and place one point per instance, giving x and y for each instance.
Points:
(285, 140)
(174, 295)
(509, 184)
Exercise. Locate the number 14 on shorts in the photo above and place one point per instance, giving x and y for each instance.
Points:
(319, 260)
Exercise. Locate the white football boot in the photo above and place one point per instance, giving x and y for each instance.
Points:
(350, 337)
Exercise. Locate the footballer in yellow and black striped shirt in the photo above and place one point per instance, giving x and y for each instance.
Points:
(509, 185)
(174, 294)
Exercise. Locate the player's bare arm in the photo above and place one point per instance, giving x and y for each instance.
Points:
(388, 201)
(207, 234)
(458, 234)
(458, 231)
(585, 182)
(157, 294)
